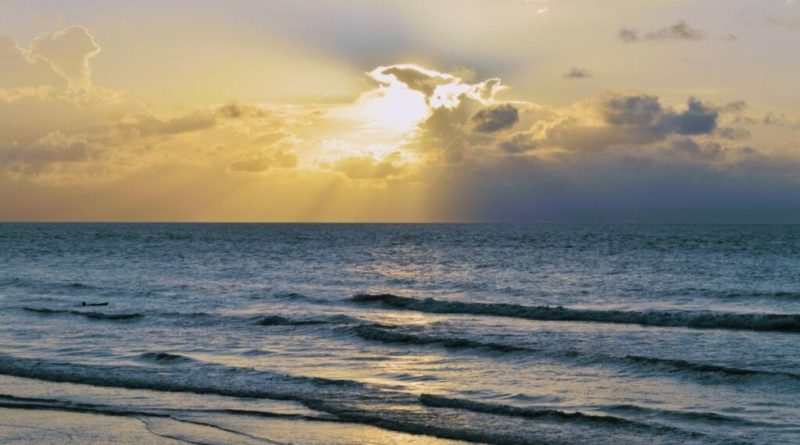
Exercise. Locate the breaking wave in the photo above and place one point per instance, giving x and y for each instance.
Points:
(165, 357)
(280, 320)
(697, 320)
(683, 365)
(390, 334)
(346, 400)
(528, 413)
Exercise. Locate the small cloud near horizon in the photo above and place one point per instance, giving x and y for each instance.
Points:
(577, 73)
(679, 31)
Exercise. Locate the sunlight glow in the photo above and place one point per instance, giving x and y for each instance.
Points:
(394, 107)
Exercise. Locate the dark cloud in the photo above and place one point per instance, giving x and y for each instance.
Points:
(678, 31)
(697, 119)
(577, 73)
(629, 120)
(781, 120)
(646, 113)
(496, 118)
(733, 133)
(628, 35)
(689, 149)
(631, 110)
(237, 110)
(446, 134)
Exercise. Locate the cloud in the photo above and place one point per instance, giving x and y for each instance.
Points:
(58, 128)
(520, 143)
(645, 113)
(440, 89)
(36, 156)
(790, 24)
(414, 77)
(496, 118)
(148, 124)
(461, 116)
(697, 119)
(18, 70)
(733, 133)
(624, 120)
(264, 162)
(628, 35)
(237, 110)
(466, 154)
(694, 151)
(780, 120)
(68, 52)
(639, 110)
(366, 167)
(29, 114)
(445, 136)
(679, 31)
(577, 73)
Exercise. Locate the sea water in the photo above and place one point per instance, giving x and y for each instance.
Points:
(500, 334)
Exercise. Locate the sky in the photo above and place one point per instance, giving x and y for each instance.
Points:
(652, 111)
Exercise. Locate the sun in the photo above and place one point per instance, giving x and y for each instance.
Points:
(393, 108)
(378, 123)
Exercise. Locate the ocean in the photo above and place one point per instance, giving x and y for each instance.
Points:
(388, 334)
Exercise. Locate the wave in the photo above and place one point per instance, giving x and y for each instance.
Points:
(206, 378)
(390, 334)
(76, 285)
(165, 357)
(738, 294)
(697, 320)
(46, 285)
(151, 415)
(683, 365)
(10, 401)
(280, 320)
(292, 296)
(528, 413)
(347, 401)
(277, 320)
(29, 403)
(91, 315)
(685, 415)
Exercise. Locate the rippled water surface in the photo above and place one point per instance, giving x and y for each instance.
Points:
(413, 334)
